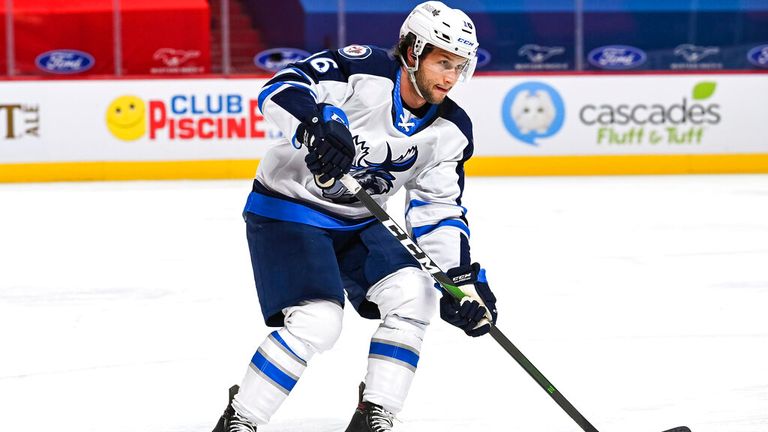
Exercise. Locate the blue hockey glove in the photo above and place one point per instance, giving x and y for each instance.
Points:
(329, 142)
(469, 314)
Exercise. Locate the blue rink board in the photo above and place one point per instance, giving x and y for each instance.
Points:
(404, 6)
(728, 29)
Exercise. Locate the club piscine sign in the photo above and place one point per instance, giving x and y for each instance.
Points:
(186, 117)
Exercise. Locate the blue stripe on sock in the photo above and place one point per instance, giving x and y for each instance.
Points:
(283, 343)
(399, 353)
(273, 372)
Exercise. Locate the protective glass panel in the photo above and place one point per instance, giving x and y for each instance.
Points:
(77, 38)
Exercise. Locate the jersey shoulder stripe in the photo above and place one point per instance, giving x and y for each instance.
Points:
(372, 61)
(341, 64)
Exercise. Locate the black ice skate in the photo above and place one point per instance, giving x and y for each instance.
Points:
(370, 417)
(231, 421)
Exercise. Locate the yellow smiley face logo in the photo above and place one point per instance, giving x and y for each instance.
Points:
(126, 118)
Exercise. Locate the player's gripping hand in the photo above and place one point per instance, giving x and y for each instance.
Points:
(469, 314)
(329, 142)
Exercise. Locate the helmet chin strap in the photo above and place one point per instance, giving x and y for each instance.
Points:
(411, 76)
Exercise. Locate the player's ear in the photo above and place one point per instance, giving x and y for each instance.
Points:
(411, 57)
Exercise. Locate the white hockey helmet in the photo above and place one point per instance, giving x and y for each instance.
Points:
(435, 23)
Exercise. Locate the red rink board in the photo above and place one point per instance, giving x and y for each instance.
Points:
(158, 37)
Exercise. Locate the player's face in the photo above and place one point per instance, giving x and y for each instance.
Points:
(438, 72)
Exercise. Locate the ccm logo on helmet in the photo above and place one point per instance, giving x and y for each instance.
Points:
(466, 42)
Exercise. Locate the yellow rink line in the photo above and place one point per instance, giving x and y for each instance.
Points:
(143, 170)
(478, 166)
(619, 165)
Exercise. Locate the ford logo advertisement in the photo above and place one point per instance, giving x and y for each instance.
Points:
(274, 59)
(758, 56)
(64, 61)
(483, 57)
(616, 57)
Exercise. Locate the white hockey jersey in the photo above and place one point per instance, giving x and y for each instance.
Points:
(423, 151)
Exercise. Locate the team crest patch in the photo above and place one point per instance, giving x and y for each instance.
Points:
(354, 52)
(376, 177)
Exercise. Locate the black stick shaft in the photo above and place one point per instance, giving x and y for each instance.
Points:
(443, 279)
(558, 397)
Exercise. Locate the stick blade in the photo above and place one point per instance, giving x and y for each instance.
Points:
(679, 429)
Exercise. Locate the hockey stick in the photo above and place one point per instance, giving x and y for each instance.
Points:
(438, 275)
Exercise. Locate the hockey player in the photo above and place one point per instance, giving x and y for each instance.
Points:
(388, 122)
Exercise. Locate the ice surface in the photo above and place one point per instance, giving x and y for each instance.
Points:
(130, 307)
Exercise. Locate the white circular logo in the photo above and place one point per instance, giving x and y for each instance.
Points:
(355, 51)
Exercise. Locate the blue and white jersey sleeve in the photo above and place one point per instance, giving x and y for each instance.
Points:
(292, 95)
(434, 214)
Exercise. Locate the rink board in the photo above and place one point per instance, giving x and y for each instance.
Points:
(522, 125)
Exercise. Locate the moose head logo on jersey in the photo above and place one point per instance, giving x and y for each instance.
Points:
(375, 177)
